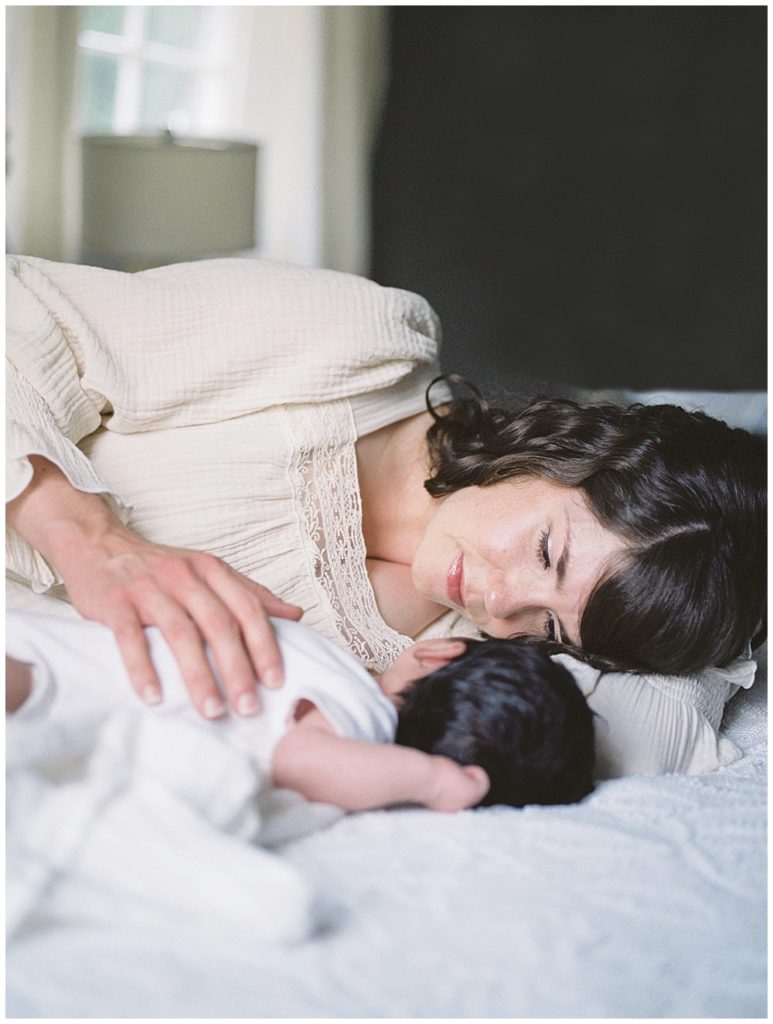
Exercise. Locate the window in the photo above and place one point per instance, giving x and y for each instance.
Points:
(148, 68)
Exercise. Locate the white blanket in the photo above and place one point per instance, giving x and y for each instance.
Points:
(646, 900)
(118, 818)
(117, 827)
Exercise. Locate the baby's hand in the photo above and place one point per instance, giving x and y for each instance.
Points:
(454, 787)
(418, 661)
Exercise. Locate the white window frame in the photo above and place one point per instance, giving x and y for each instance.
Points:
(218, 77)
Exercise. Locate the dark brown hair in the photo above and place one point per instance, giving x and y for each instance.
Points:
(686, 492)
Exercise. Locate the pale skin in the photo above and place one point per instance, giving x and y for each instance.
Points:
(354, 775)
(531, 552)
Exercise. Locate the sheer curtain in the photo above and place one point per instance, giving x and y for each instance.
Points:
(42, 153)
(317, 78)
(355, 46)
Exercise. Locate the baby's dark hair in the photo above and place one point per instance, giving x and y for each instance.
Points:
(506, 706)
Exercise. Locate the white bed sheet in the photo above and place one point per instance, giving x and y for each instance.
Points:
(648, 900)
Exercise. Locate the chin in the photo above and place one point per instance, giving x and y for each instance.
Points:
(428, 581)
(418, 581)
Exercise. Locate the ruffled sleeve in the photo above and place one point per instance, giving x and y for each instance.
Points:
(47, 412)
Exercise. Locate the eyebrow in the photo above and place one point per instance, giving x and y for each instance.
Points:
(563, 561)
(561, 566)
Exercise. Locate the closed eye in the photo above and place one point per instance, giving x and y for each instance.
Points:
(552, 631)
(543, 549)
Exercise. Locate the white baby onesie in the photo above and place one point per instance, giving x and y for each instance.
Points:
(80, 674)
(154, 817)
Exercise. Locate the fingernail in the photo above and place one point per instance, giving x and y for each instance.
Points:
(151, 695)
(272, 676)
(213, 707)
(247, 704)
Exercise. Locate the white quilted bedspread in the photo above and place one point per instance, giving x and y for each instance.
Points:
(647, 900)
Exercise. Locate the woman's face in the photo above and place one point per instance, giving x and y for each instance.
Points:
(517, 557)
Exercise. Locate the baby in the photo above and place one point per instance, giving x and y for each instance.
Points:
(450, 725)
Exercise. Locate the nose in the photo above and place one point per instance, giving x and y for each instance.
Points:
(496, 600)
(502, 598)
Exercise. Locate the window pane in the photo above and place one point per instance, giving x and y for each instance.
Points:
(175, 26)
(98, 77)
(103, 19)
(165, 90)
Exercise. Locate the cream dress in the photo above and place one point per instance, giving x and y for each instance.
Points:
(218, 404)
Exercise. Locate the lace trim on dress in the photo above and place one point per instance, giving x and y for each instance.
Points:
(324, 478)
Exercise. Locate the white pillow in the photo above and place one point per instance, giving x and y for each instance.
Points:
(647, 724)
(660, 723)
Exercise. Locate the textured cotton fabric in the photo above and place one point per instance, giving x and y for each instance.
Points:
(123, 814)
(645, 901)
(653, 724)
(218, 404)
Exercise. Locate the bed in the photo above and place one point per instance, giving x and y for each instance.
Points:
(646, 900)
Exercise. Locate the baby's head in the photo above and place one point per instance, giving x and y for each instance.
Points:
(506, 706)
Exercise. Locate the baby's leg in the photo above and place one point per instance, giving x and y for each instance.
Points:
(18, 683)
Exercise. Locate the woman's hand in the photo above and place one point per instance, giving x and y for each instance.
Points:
(194, 599)
(125, 582)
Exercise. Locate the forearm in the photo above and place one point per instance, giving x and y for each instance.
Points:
(350, 774)
(357, 776)
(56, 518)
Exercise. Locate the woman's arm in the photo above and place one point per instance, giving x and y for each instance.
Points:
(358, 776)
(117, 578)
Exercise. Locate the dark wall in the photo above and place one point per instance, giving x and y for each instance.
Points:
(580, 191)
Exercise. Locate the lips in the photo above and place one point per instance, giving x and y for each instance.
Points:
(454, 581)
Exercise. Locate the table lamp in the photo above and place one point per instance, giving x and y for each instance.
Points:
(149, 200)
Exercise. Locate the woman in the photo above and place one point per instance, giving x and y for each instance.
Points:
(635, 535)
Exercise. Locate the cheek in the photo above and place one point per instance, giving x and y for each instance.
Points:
(496, 628)
(499, 541)
(422, 565)
(433, 556)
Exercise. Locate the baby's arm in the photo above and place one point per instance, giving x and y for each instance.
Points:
(357, 776)
(18, 683)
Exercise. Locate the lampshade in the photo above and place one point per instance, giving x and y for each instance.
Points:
(155, 199)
